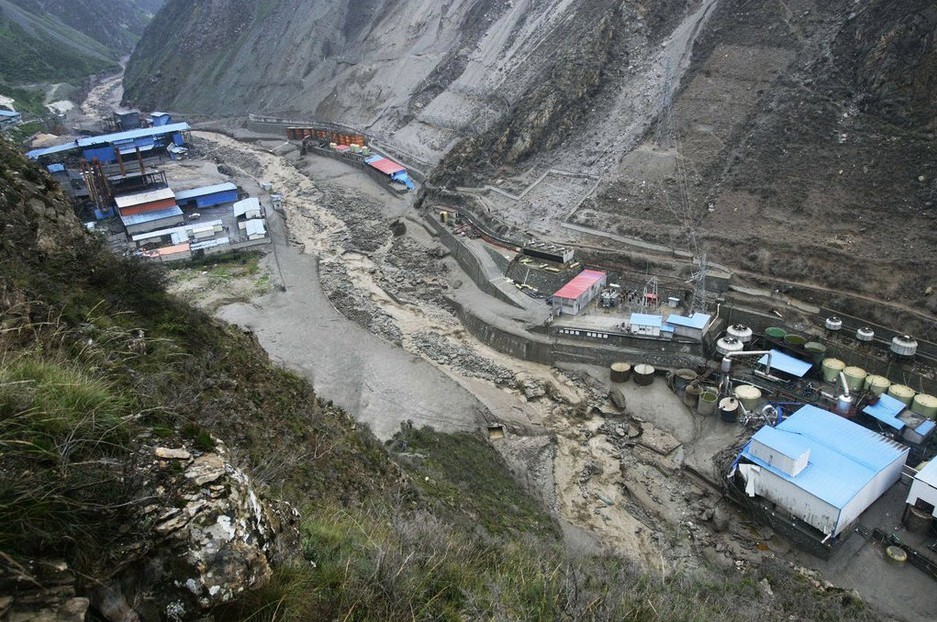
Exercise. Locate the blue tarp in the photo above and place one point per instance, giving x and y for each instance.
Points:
(403, 178)
(886, 410)
(844, 456)
(786, 363)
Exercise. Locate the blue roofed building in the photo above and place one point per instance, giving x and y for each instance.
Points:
(208, 196)
(106, 146)
(646, 324)
(819, 468)
(8, 118)
(693, 327)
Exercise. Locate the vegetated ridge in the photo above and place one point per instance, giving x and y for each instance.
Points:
(116, 398)
(60, 40)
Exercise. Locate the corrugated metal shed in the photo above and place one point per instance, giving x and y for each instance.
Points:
(255, 229)
(140, 198)
(886, 410)
(109, 139)
(192, 193)
(786, 363)
(644, 319)
(249, 207)
(184, 230)
(384, 165)
(139, 219)
(697, 320)
(579, 284)
(844, 456)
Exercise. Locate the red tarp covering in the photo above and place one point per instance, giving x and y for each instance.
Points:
(582, 281)
(387, 166)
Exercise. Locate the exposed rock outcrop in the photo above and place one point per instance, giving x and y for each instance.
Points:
(209, 536)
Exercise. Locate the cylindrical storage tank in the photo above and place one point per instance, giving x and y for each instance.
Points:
(727, 345)
(904, 346)
(901, 392)
(729, 409)
(748, 395)
(833, 324)
(855, 376)
(844, 405)
(681, 378)
(707, 402)
(831, 368)
(691, 395)
(643, 374)
(794, 340)
(865, 334)
(917, 520)
(775, 333)
(816, 349)
(620, 372)
(925, 405)
(876, 384)
(741, 332)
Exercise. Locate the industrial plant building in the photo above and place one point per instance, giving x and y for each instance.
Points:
(109, 148)
(819, 468)
(579, 292)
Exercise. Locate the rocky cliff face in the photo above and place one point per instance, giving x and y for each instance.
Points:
(722, 121)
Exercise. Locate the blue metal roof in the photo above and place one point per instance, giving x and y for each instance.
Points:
(145, 217)
(886, 410)
(926, 426)
(8, 113)
(697, 320)
(107, 139)
(786, 363)
(205, 190)
(844, 456)
(644, 319)
(56, 168)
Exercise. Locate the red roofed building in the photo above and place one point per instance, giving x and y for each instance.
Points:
(575, 295)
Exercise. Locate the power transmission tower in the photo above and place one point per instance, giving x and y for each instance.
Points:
(698, 301)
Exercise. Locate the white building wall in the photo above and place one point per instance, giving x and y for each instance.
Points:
(923, 490)
(797, 501)
(879, 485)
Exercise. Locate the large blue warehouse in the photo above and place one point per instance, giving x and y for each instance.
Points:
(106, 147)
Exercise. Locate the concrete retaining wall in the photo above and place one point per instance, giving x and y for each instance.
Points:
(468, 261)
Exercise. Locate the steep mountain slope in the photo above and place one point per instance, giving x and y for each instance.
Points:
(788, 139)
(49, 40)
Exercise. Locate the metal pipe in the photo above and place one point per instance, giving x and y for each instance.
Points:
(842, 380)
(728, 356)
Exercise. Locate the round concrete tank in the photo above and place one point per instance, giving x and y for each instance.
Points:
(707, 402)
(833, 324)
(620, 372)
(775, 333)
(681, 378)
(729, 409)
(741, 332)
(876, 384)
(691, 395)
(925, 405)
(816, 349)
(904, 346)
(747, 395)
(901, 392)
(831, 368)
(865, 334)
(727, 345)
(855, 376)
(643, 374)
